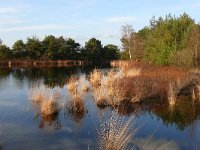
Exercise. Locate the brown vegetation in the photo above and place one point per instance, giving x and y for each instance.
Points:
(75, 108)
(48, 98)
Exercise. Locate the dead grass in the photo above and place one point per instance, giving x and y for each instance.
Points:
(48, 98)
(84, 85)
(76, 108)
(37, 94)
(72, 84)
(51, 105)
(95, 77)
(171, 95)
(115, 133)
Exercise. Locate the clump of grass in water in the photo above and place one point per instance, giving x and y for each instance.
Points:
(72, 84)
(95, 77)
(38, 94)
(48, 98)
(115, 134)
(84, 85)
(51, 105)
(76, 108)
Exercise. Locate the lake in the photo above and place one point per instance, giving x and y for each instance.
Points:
(159, 126)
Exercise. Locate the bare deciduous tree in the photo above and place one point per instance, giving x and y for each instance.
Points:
(127, 32)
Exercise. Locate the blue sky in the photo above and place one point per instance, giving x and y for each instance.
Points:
(83, 19)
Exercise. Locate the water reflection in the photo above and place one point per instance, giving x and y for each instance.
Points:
(51, 76)
(183, 118)
(46, 121)
(49, 121)
(184, 114)
(75, 110)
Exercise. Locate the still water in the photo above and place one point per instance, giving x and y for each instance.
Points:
(21, 127)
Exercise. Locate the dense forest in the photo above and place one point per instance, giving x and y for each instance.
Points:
(52, 48)
(169, 41)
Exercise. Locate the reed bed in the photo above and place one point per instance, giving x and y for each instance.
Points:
(152, 81)
(115, 133)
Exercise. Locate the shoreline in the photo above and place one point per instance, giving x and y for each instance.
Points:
(43, 63)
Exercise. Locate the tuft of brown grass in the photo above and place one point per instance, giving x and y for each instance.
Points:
(76, 108)
(50, 106)
(84, 85)
(38, 94)
(115, 133)
(101, 97)
(72, 84)
(48, 98)
(95, 77)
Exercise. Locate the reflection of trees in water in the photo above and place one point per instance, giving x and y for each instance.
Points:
(52, 76)
(183, 114)
(4, 72)
(126, 108)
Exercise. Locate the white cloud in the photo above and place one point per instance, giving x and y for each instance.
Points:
(120, 19)
(8, 10)
(37, 28)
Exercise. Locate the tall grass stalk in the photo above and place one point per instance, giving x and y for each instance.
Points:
(116, 133)
(171, 95)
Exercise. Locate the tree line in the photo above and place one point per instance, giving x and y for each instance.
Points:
(169, 41)
(166, 40)
(59, 48)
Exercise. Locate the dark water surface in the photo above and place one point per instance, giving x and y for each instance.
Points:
(21, 127)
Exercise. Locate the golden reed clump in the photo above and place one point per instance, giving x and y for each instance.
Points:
(72, 84)
(95, 77)
(48, 98)
(37, 94)
(51, 105)
(75, 108)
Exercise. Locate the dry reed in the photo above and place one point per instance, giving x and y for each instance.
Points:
(72, 84)
(171, 95)
(37, 94)
(75, 108)
(84, 85)
(51, 105)
(95, 77)
(115, 133)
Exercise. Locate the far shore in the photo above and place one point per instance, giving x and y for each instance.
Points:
(48, 63)
(42, 63)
